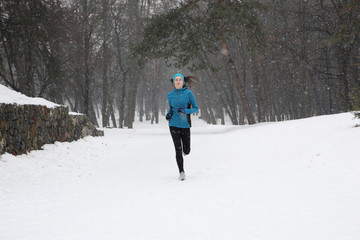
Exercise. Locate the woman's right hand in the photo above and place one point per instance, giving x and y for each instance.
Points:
(168, 116)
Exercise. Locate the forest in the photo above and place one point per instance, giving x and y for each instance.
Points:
(255, 61)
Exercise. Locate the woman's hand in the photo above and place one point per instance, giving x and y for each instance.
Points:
(181, 111)
(168, 116)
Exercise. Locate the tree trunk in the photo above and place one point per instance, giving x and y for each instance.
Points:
(87, 49)
(228, 103)
(259, 98)
(240, 87)
(121, 105)
(112, 114)
(155, 102)
(235, 76)
(105, 115)
(92, 115)
(342, 58)
(130, 111)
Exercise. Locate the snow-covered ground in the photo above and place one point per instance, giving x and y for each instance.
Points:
(295, 180)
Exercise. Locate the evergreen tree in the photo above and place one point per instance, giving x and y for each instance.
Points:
(196, 28)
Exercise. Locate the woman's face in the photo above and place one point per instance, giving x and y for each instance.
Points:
(178, 82)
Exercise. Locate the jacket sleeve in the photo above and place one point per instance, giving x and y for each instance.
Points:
(193, 102)
(170, 107)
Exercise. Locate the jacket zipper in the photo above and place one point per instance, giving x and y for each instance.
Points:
(177, 98)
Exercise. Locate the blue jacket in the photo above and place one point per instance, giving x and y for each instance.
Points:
(181, 98)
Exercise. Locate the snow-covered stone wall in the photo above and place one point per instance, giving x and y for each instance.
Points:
(28, 127)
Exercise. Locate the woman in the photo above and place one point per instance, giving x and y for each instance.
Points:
(182, 103)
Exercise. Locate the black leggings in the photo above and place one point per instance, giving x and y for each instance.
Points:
(181, 138)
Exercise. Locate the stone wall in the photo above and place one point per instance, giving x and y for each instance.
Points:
(28, 127)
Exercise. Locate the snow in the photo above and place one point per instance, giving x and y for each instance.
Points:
(295, 180)
(10, 96)
(75, 113)
(286, 180)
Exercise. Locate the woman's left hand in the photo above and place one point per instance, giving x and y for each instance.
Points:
(181, 111)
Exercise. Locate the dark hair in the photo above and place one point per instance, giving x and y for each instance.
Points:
(188, 80)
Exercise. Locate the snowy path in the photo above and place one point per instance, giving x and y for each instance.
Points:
(278, 181)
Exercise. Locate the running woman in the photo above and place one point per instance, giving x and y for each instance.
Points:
(182, 103)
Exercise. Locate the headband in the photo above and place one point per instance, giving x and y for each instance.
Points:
(178, 74)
